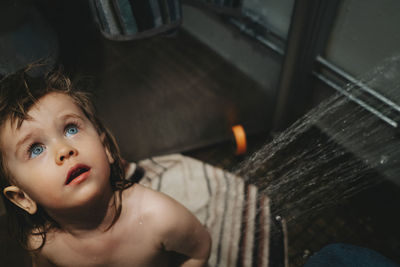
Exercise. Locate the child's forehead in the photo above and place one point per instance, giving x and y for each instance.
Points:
(47, 108)
(53, 104)
(48, 111)
(54, 100)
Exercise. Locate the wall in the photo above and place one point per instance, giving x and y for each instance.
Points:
(255, 60)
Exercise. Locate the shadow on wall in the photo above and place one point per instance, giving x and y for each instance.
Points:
(2, 208)
(11, 253)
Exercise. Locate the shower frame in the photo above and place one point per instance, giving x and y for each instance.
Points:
(304, 64)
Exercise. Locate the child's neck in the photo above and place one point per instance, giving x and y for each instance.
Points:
(90, 219)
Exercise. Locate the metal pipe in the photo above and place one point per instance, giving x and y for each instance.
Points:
(356, 100)
(247, 30)
(353, 80)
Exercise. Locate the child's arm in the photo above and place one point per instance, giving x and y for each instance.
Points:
(181, 232)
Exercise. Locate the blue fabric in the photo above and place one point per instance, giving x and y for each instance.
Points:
(128, 20)
(336, 255)
(25, 38)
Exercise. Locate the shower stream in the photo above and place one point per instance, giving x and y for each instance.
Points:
(330, 154)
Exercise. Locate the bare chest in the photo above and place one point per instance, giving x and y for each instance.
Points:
(126, 249)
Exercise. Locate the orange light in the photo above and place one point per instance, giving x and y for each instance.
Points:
(240, 139)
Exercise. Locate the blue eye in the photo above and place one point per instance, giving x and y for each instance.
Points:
(35, 150)
(71, 129)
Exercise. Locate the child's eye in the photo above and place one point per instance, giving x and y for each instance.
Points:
(35, 150)
(71, 129)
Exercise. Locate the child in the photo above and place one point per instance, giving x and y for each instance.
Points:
(65, 192)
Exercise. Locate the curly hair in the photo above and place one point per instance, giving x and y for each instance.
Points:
(18, 94)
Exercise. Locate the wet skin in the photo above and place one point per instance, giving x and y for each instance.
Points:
(58, 161)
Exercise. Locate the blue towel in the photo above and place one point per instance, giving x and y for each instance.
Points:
(339, 254)
(124, 20)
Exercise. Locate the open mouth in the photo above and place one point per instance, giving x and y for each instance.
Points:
(77, 173)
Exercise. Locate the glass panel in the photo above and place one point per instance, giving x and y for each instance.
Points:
(275, 15)
(365, 42)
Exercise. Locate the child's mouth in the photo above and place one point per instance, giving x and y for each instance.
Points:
(77, 174)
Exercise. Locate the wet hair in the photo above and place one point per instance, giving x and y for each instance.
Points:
(18, 94)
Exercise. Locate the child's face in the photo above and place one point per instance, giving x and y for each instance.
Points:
(50, 148)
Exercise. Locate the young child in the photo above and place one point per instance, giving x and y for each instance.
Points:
(65, 193)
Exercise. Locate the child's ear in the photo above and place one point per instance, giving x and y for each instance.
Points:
(20, 198)
(109, 156)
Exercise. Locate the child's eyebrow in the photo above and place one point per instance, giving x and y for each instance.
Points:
(22, 141)
(70, 115)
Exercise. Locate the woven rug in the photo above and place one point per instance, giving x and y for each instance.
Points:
(237, 217)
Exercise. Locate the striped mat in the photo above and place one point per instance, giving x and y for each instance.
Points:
(236, 215)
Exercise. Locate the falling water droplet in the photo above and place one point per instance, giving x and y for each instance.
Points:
(384, 159)
(306, 254)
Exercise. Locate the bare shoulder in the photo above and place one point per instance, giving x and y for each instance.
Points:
(153, 204)
(173, 224)
(160, 212)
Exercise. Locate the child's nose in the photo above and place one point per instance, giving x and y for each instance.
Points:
(65, 152)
